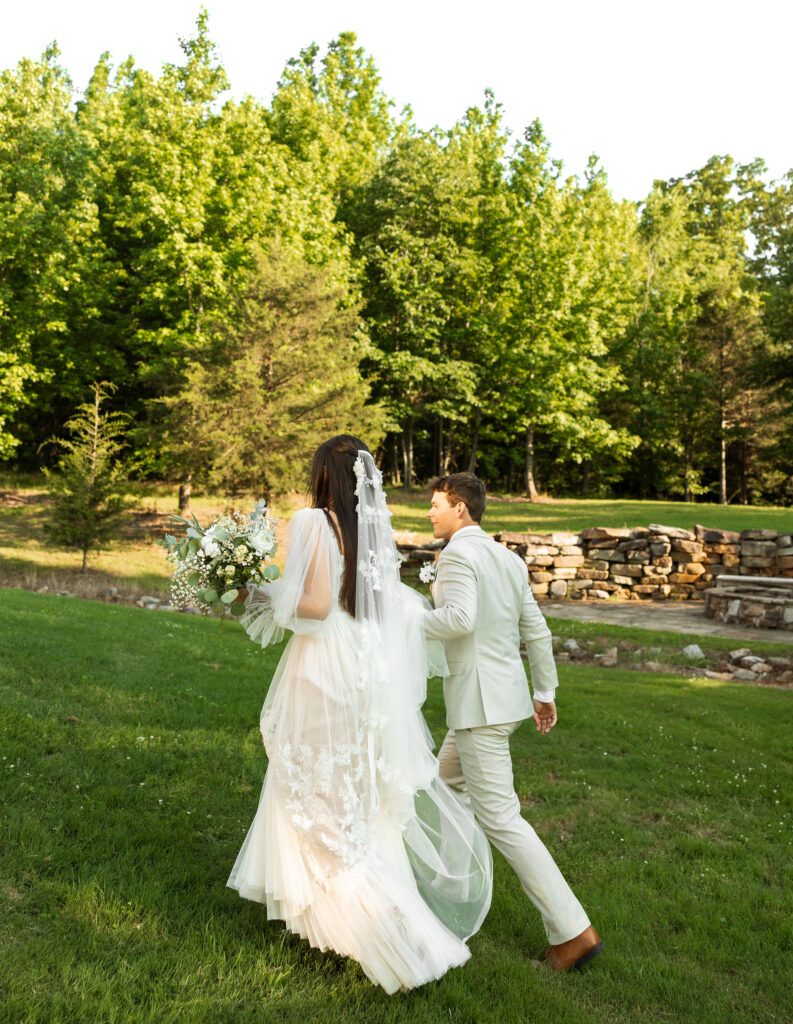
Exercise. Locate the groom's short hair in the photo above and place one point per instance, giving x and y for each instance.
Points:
(464, 487)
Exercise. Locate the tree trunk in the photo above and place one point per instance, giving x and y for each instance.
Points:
(723, 466)
(531, 487)
(396, 476)
(743, 471)
(447, 453)
(475, 440)
(438, 460)
(185, 490)
(85, 560)
(407, 454)
(585, 465)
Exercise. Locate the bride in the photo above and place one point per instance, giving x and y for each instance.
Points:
(357, 845)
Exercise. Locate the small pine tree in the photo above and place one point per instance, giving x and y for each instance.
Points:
(88, 483)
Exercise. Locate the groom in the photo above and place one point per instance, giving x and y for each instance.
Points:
(483, 608)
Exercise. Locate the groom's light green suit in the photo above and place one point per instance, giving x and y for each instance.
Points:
(483, 608)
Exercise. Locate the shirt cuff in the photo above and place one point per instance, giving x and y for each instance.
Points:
(545, 696)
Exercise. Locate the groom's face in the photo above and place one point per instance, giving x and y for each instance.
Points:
(445, 518)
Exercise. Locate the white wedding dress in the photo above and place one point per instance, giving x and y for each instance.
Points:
(356, 844)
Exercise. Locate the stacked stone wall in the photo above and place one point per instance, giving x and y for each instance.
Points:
(652, 562)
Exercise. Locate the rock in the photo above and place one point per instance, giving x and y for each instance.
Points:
(632, 545)
(43, 590)
(568, 561)
(592, 574)
(744, 675)
(759, 535)
(609, 659)
(749, 660)
(710, 674)
(571, 549)
(786, 677)
(653, 666)
(562, 656)
(711, 536)
(741, 652)
(572, 646)
(111, 592)
(565, 539)
(539, 589)
(508, 537)
(558, 588)
(672, 531)
(565, 574)
(682, 577)
(165, 608)
(687, 546)
(780, 662)
(598, 595)
(147, 602)
(541, 577)
(605, 533)
(761, 668)
(622, 581)
(578, 584)
(693, 651)
(65, 593)
(637, 557)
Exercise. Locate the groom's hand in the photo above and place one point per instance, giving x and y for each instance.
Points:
(544, 716)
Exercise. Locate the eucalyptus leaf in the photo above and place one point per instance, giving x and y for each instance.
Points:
(271, 572)
(209, 595)
(193, 578)
(194, 544)
(218, 607)
(238, 608)
(229, 597)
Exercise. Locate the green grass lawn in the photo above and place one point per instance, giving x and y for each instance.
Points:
(131, 764)
(512, 513)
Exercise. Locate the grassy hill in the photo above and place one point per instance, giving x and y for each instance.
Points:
(135, 566)
(131, 764)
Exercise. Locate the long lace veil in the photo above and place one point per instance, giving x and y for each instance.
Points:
(448, 852)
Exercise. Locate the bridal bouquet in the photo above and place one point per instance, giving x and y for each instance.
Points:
(211, 564)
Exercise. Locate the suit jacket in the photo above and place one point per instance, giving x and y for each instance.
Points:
(483, 608)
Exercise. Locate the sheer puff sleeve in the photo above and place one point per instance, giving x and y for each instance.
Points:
(304, 597)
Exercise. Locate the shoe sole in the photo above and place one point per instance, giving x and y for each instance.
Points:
(586, 957)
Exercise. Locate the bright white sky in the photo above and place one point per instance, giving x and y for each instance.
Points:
(654, 88)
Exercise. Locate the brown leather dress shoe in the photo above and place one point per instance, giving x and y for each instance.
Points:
(575, 952)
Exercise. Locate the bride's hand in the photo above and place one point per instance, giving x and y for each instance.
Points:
(242, 593)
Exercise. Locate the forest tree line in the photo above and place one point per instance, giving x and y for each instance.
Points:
(252, 278)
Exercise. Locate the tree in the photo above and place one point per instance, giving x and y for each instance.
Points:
(88, 484)
(277, 379)
(569, 299)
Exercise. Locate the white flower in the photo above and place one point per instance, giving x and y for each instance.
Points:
(427, 572)
(210, 546)
(261, 542)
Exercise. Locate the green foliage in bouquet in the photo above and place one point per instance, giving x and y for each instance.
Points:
(213, 563)
(88, 484)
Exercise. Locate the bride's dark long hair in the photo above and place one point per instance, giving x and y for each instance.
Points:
(333, 486)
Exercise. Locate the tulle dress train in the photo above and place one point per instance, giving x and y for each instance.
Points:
(357, 845)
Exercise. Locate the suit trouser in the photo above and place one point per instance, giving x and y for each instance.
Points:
(477, 765)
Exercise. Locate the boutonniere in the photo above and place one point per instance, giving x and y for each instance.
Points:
(427, 572)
